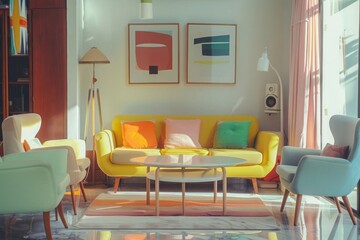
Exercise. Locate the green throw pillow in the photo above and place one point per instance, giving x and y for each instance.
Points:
(232, 134)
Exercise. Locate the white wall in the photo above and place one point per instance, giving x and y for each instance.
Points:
(260, 23)
(73, 130)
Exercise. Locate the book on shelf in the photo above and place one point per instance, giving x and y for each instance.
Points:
(22, 80)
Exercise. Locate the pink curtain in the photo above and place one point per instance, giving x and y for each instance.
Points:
(304, 86)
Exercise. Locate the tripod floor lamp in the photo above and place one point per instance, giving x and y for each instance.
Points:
(93, 56)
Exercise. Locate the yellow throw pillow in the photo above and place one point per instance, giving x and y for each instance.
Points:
(139, 134)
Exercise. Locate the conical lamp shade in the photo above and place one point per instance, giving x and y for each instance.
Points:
(94, 55)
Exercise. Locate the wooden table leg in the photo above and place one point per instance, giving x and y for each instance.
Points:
(147, 187)
(215, 187)
(183, 197)
(183, 191)
(157, 191)
(224, 190)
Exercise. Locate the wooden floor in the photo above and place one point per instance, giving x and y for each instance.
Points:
(319, 219)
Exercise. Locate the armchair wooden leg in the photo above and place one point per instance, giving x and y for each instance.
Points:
(73, 198)
(337, 203)
(349, 209)
(61, 213)
(255, 186)
(297, 208)
(83, 190)
(116, 184)
(286, 194)
(56, 214)
(46, 219)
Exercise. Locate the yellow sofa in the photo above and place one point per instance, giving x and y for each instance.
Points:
(260, 156)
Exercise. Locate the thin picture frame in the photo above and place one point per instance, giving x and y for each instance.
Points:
(153, 53)
(211, 53)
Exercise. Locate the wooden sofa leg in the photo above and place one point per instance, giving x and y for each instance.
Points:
(349, 209)
(46, 219)
(116, 184)
(297, 208)
(255, 186)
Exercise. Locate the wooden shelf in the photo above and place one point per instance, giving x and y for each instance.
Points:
(19, 55)
(18, 83)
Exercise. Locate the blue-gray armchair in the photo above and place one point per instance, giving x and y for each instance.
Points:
(308, 172)
(34, 182)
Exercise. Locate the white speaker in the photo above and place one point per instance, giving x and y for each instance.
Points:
(272, 98)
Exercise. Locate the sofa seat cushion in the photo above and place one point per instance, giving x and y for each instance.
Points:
(185, 151)
(251, 155)
(286, 172)
(122, 155)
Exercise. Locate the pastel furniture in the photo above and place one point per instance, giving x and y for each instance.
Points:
(19, 135)
(114, 159)
(186, 169)
(34, 182)
(323, 173)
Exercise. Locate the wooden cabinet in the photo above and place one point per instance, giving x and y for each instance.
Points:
(37, 81)
(47, 4)
(15, 71)
(3, 62)
(49, 73)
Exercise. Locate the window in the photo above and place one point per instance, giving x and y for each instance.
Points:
(340, 58)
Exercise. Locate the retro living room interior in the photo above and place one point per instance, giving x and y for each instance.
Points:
(179, 119)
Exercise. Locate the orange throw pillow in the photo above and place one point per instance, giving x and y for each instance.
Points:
(139, 134)
(31, 144)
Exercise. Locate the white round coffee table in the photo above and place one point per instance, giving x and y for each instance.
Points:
(186, 169)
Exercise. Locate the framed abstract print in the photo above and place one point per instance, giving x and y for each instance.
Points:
(153, 53)
(211, 53)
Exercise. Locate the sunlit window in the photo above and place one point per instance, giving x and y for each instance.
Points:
(340, 51)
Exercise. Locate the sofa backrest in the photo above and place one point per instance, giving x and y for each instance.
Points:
(207, 130)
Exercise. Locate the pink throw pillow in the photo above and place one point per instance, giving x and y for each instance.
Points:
(182, 133)
(335, 151)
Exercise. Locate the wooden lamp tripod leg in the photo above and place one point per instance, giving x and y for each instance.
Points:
(90, 168)
(87, 114)
(93, 160)
(91, 97)
(99, 106)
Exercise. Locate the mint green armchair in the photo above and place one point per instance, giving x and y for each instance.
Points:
(34, 182)
(306, 172)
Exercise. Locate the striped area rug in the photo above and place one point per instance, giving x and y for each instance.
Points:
(128, 210)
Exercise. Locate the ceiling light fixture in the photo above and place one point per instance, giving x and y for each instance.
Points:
(146, 9)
